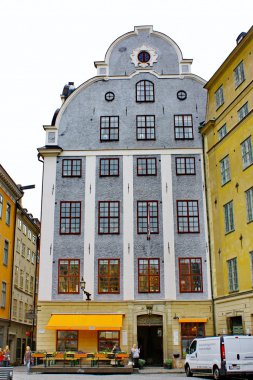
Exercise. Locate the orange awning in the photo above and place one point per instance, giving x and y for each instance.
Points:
(192, 320)
(85, 322)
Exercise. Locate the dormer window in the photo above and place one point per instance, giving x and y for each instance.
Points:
(145, 91)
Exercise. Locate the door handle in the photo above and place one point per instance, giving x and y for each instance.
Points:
(238, 356)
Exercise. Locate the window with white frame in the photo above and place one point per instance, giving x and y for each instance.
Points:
(33, 257)
(224, 170)
(29, 235)
(24, 229)
(19, 224)
(6, 252)
(222, 132)
(15, 308)
(239, 74)
(28, 254)
(232, 275)
(8, 214)
(229, 217)
(247, 153)
(1, 205)
(249, 204)
(243, 111)
(3, 298)
(34, 239)
(23, 250)
(219, 97)
(18, 249)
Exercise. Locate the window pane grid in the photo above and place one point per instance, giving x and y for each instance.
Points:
(109, 167)
(229, 217)
(144, 91)
(247, 153)
(71, 168)
(147, 213)
(149, 275)
(70, 218)
(68, 276)
(188, 216)
(225, 170)
(232, 275)
(183, 127)
(249, 204)
(108, 276)
(145, 127)
(146, 166)
(185, 166)
(190, 275)
(109, 128)
(109, 217)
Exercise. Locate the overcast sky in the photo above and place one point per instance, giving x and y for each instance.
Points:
(47, 43)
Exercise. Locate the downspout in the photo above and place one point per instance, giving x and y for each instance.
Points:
(209, 245)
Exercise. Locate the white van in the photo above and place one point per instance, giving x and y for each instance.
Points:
(221, 356)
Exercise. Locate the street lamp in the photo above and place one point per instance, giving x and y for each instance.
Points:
(82, 286)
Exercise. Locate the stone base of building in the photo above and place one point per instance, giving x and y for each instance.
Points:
(156, 326)
(234, 314)
(20, 336)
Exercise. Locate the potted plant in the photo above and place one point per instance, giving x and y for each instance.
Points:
(167, 363)
(141, 363)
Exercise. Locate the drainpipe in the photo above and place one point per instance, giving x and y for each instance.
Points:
(209, 246)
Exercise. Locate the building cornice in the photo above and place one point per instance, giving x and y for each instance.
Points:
(49, 151)
(8, 182)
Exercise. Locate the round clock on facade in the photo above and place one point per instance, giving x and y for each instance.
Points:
(109, 96)
(181, 95)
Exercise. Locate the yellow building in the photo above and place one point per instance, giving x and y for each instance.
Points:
(10, 193)
(227, 135)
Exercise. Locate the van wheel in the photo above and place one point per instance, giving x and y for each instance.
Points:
(188, 371)
(216, 373)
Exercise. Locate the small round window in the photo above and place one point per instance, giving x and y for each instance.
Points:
(143, 56)
(109, 96)
(181, 95)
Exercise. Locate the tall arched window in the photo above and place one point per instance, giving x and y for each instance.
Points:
(145, 91)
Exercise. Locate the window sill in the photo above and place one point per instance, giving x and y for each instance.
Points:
(229, 232)
(246, 167)
(219, 106)
(225, 183)
(233, 291)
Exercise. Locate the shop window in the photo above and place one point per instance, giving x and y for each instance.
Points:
(71, 167)
(190, 275)
(68, 276)
(235, 325)
(145, 91)
(107, 339)
(70, 218)
(108, 276)
(190, 331)
(149, 275)
(67, 340)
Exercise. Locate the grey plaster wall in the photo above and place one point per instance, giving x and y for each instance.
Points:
(109, 246)
(67, 246)
(190, 187)
(121, 64)
(79, 126)
(148, 188)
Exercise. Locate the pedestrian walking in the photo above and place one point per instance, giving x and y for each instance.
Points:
(28, 358)
(1, 357)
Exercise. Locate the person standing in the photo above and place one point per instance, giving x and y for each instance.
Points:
(28, 358)
(135, 353)
(7, 357)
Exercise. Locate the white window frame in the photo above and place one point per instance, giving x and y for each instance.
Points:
(222, 132)
(232, 275)
(225, 170)
(243, 111)
(229, 217)
(239, 74)
(249, 204)
(219, 97)
(6, 252)
(3, 294)
(247, 153)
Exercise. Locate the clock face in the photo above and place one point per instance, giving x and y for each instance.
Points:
(143, 56)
